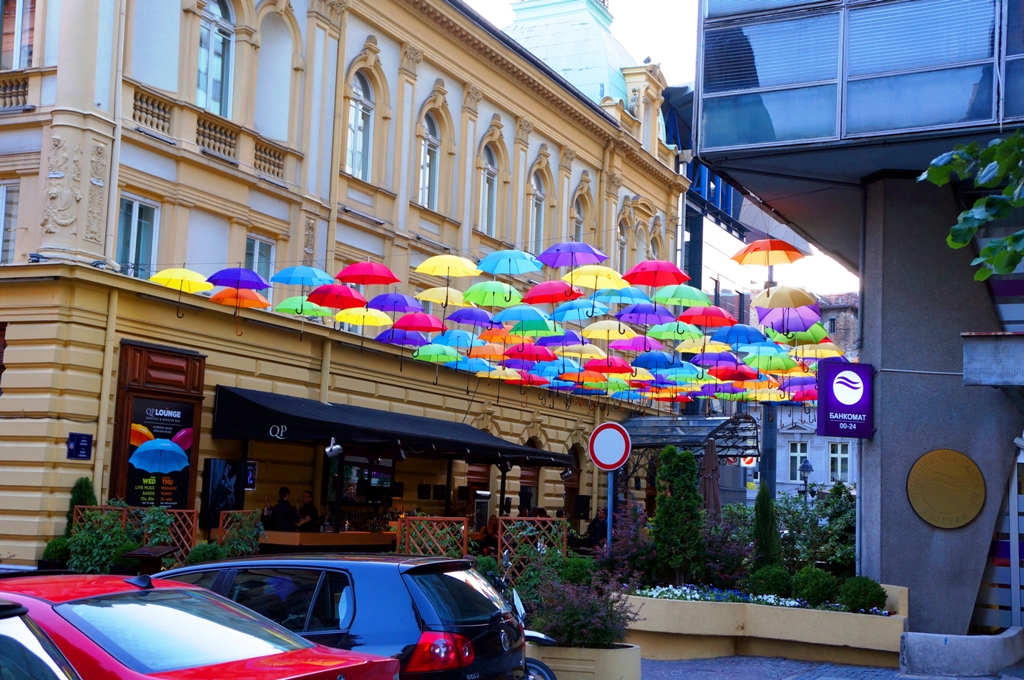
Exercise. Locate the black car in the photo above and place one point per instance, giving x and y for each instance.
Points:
(437, 616)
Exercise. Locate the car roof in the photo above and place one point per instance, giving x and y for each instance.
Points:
(68, 587)
(337, 559)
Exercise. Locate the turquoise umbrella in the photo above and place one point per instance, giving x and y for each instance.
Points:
(159, 456)
(510, 262)
(302, 276)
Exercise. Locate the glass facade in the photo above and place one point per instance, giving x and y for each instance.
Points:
(772, 75)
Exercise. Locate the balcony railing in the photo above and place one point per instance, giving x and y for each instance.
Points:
(13, 91)
(214, 135)
(150, 111)
(269, 160)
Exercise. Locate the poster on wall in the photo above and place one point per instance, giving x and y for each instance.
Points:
(160, 453)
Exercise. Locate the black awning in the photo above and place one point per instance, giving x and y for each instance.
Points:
(264, 416)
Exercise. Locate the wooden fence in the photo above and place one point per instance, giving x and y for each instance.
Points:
(231, 518)
(525, 538)
(438, 536)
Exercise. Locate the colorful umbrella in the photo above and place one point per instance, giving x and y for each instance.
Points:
(521, 313)
(808, 394)
(458, 339)
(640, 343)
(714, 359)
(238, 277)
(656, 360)
(443, 295)
(553, 369)
(419, 321)
(596, 277)
(707, 317)
(739, 334)
(780, 297)
(401, 338)
(737, 372)
(436, 354)
(702, 344)
(159, 456)
(812, 336)
(244, 298)
(367, 273)
(527, 379)
(645, 314)
(822, 350)
(571, 254)
(363, 316)
(581, 351)
(448, 266)
(684, 296)
(770, 363)
(579, 312)
(301, 306)
(510, 262)
(487, 351)
(562, 339)
(675, 330)
(337, 296)
(585, 376)
(608, 365)
(502, 334)
(767, 252)
(552, 292)
(492, 294)
(181, 280)
(766, 347)
(395, 303)
(608, 330)
(530, 353)
(471, 365)
(789, 320)
(655, 273)
(620, 296)
(499, 374)
(302, 276)
(518, 364)
(472, 316)
(537, 328)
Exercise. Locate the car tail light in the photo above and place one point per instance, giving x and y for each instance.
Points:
(440, 652)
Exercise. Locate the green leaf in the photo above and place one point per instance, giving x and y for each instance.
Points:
(990, 175)
(982, 274)
(960, 235)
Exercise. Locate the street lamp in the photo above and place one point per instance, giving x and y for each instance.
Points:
(805, 472)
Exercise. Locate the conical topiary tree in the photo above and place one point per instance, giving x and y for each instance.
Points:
(767, 541)
(677, 522)
(82, 493)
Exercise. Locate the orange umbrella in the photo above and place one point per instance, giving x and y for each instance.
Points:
(240, 298)
(766, 252)
(502, 335)
(489, 351)
(584, 377)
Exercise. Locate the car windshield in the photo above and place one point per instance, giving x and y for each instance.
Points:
(460, 597)
(27, 654)
(154, 631)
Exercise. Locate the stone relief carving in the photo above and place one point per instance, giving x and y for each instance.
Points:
(438, 98)
(411, 58)
(473, 96)
(309, 242)
(370, 53)
(97, 193)
(568, 156)
(62, 192)
(523, 130)
(614, 181)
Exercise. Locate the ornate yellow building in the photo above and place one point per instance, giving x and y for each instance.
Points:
(137, 135)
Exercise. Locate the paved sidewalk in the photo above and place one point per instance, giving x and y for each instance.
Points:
(761, 668)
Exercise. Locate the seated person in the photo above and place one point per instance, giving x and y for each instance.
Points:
(489, 536)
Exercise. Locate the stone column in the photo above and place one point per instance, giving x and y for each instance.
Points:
(467, 169)
(919, 297)
(407, 164)
(566, 156)
(520, 164)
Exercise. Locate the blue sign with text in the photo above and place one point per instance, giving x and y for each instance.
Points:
(79, 446)
(844, 400)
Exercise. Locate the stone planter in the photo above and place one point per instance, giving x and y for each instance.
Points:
(575, 663)
(673, 629)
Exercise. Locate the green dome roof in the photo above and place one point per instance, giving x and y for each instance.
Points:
(574, 38)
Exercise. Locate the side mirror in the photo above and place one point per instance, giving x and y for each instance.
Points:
(518, 604)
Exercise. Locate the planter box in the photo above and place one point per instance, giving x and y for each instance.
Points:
(672, 629)
(574, 663)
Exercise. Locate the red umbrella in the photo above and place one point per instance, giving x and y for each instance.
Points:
(609, 365)
(675, 398)
(738, 372)
(527, 352)
(528, 379)
(708, 317)
(337, 296)
(553, 292)
(808, 394)
(419, 321)
(655, 273)
(367, 273)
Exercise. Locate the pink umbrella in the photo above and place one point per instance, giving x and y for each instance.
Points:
(640, 343)
(337, 296)
(530, 352)
(367, 273)
(419, 321)
(552, 292)
(608, 365)
(655, 273)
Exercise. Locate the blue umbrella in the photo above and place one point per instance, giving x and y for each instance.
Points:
(583, 391)
(628, 395)
(472, 316)
(579, 311)
(159, 456)
(239, 277)
(511, 262)
(518, 364)
(521, 313)
(395, 302)
(565, 339)
(470, 365)
(679, 373)
(458, 340)
(302, 276)
(623, 296)
(653, 361)
(557, 385)
(548, 369)
(739, 334)
(767, 347)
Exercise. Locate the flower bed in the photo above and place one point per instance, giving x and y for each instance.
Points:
(691, 593)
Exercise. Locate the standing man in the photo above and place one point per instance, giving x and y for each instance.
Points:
(309, 518)
(597, 531)
(283, 517)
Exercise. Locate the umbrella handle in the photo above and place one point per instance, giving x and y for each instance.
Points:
(177, 310)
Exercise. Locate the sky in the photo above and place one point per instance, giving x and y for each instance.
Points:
(637, 26)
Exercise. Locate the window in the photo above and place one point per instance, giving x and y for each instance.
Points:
(537, 214)
(577, 225)
(797, 455)
(202, 579)
(360, 129)
(641, 247)
(334, 606)
(430, 158)
(216, 35)
(259, 256)
(26, 652)
(136, 238)
(282, 595)
(9, 194)
(832, 324)
(18, 17)
(623, 253)
(839, 462)
(460, 598)
(489, 193)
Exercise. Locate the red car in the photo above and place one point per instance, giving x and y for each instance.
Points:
(112, 628)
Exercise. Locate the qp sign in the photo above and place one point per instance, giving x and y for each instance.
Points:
(845, 404)
(609, 446)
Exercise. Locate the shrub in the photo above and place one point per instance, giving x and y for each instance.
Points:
(862, 594)
(244, 537)
(487, 566)
(632, 558)
(677, 522)
(96, 541)
(540, 571)
(577, 570)
(82, 493)
(57, 550)
(118, 559)
(822, 532)
(727, 550)
(205, 552)
(772, 580)
(815, 586)
(767, 542)
(584, 616)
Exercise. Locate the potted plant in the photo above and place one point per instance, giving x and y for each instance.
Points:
(55, 555)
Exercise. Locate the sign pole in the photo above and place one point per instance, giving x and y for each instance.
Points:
(611, 509)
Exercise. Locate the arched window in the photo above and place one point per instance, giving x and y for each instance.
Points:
(489, 192)
(429, 161)
(623, 245)
(360, 129)
(577, 227)
(216, 36)
(537, 214)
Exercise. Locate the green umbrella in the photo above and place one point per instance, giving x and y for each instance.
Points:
(492, 294)
(537, 328)
(436, 354)
(770, 362)
(683, 295)
(301, 306)
(675, 330)
(812, 336)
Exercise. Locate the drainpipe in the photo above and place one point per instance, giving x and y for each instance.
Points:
(105, 379)
(115, 146)
(325, 370)
(858, 542)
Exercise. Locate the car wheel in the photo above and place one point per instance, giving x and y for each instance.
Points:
(538, 670)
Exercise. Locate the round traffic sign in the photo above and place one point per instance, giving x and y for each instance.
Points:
(609, 446)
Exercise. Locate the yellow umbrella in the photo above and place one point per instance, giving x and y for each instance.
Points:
(596, 276)
(500, 374)
(182, 280)
(821, 351)
(608, 330)
(784, 297)
(765, 396)
(696, 346)
(444, 296)
(448, 266)
(581, 352)
(362, 316)
(641, 374)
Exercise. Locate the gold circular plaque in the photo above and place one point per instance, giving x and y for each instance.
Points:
(946, 488)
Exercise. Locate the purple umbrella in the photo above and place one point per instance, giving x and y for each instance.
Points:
(714, 359)
(571, 254)
(645, 314)
(396, 336)
(640, 343)
(712, 390)
(395, 302)
(238, 277)
(473, 316)
(789, 383)
(563, 340)
(789, 320)
(518, 364)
